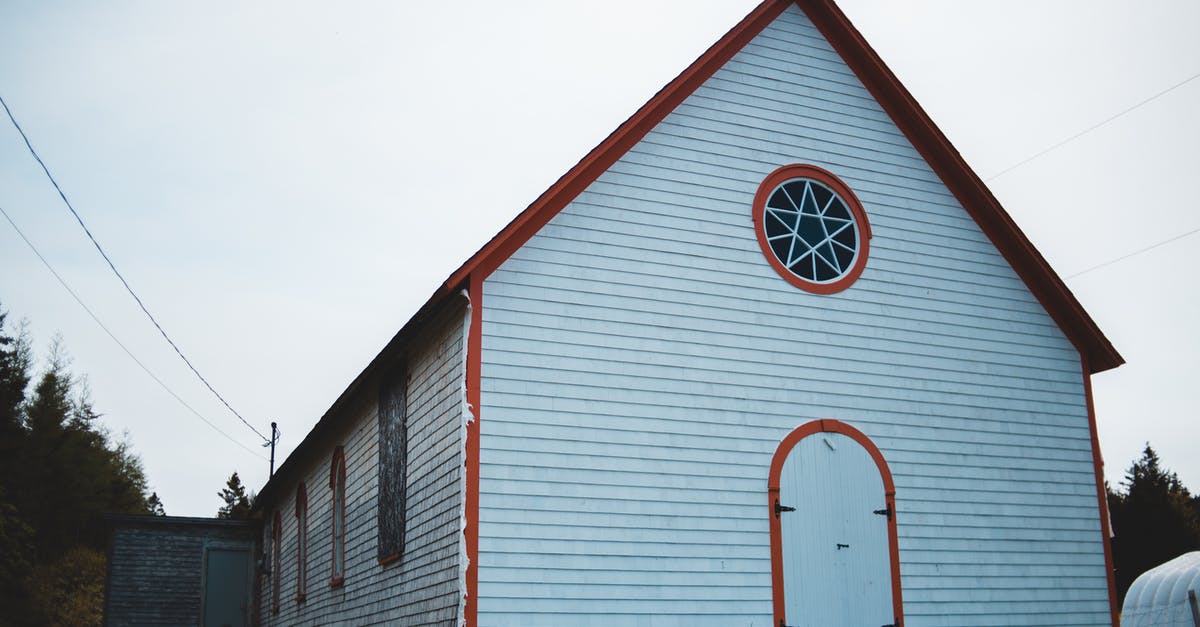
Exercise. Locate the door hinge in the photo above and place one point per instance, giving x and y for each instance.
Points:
(779, 509)
(887, 511)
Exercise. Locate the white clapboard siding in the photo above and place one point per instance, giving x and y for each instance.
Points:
(422, 588)
(642, 362)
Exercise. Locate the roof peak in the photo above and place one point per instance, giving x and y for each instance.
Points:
(1095, 349)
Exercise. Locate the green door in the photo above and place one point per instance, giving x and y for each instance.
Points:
(226, 593)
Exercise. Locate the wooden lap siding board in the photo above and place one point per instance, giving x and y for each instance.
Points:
(641, 362)
(421, 588)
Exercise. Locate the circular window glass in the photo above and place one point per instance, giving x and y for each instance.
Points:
(811, 228)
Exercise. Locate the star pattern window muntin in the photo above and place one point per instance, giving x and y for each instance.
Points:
(811, 228)
(811, 231)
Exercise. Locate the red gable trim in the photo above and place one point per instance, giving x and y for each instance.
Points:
(966, 186)
(602, 157)
(904, 110)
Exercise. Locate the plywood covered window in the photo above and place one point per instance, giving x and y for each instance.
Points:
(393, 463)
(301, 541)
(337, 485)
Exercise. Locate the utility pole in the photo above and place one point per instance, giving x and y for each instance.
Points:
(274, 438)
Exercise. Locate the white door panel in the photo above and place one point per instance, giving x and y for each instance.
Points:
(836, 564)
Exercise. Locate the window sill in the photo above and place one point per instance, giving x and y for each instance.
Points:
(389, 559)
(337, 582)
(300, 597)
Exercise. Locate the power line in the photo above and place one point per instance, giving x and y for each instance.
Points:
(1092, 128)
(1136, 252)
(123, 281)
(70, 291)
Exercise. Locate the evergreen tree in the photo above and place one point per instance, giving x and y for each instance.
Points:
(52, 459)
(60, 472)
(15, 358)
(17, 549)
(237, 503)
(16, 559)
(1154, 520)
(154, 505)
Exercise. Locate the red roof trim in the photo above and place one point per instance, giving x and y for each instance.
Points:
(966, 186)
(602, 157)
(908, 115)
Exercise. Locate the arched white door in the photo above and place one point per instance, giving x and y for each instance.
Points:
(833, 519)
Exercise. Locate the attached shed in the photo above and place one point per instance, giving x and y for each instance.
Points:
(1166, 595)
(771, 354)
(172, 570)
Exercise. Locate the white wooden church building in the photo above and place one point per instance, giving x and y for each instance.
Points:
(771, 354)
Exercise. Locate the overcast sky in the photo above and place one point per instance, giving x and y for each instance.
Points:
(285, 183)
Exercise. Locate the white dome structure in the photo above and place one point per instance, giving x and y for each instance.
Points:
(1165, 596)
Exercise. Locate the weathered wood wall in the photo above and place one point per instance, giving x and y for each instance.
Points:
(422, 587)
(155, 566)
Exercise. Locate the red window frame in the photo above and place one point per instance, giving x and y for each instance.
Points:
(828, 179)
(889, 486)
(301, 542)
(337, 491)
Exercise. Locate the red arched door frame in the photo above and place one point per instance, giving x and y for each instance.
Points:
(781, 454)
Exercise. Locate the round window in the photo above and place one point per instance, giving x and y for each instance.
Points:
(811, 228)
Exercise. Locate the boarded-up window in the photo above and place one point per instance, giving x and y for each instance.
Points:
(393, 462)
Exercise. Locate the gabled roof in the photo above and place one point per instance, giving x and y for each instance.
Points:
(1097, 352)
(912, 120)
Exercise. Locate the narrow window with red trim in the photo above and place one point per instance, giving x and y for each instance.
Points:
(301, 541)
(276, 533)
(337, 485)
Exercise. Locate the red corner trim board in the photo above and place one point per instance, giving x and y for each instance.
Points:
(1101, 498)
(471, 498)
(1097, 352)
